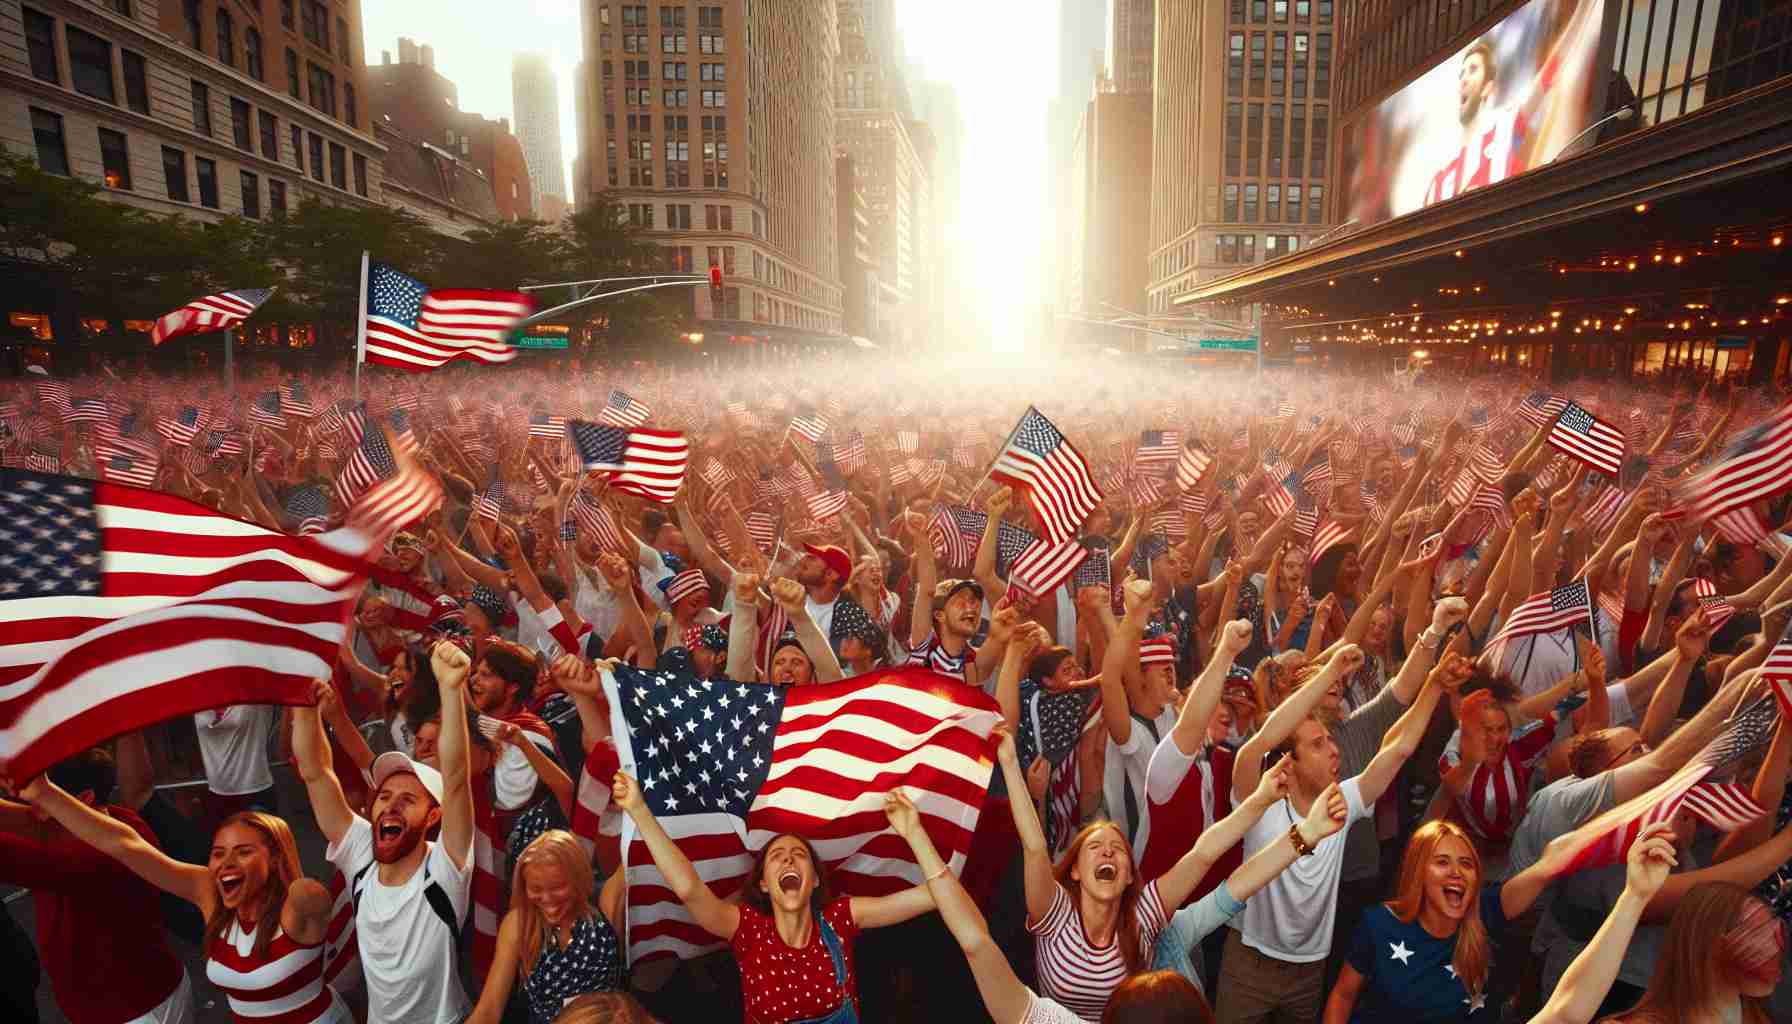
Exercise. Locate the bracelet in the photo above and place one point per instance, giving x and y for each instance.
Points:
(1300, 845)
(1430, 638)
(937, 874)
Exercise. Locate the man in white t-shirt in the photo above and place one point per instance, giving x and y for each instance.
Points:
(1274, 962)
(410, 893)
(233, 742)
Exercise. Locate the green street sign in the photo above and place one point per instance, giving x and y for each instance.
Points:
(538, 340)
(1228, 344)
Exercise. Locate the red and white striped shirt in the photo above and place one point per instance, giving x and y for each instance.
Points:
(1077, 974)
(1498, 791)
(284, 985)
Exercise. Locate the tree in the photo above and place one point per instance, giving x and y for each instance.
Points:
(510, 254)
(319, 249)
(602, 243)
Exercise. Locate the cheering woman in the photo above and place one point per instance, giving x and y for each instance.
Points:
(792, 938)
(264, 920)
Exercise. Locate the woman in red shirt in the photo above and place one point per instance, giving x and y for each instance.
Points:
(791, 937)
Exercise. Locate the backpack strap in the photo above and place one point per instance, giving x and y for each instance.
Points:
(433, 893)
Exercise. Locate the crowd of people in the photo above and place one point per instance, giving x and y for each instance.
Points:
(1268, 754)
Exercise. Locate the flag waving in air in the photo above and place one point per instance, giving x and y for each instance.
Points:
(726, 767)
(413, 327)
(1757, 465)
(646, 463)
(1042, 464)
(212, 313)
(1561, 608)
(1588, 438)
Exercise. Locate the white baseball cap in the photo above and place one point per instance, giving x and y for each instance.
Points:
(393, 762)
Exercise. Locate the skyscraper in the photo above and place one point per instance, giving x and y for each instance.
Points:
(535, 100)
(1131, 32)
(722, 153)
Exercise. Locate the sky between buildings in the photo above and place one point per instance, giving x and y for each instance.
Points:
(979, 48)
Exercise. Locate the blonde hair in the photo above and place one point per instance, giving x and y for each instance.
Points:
(1687, 970)
(603, 1008)
(1473, 957)
(560, 848)
(283, 861)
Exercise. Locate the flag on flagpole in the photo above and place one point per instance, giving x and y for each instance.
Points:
(1756, 465)
(623, 410)
(156, 606)
(1717, 608)
(1045, 468)
(1606, 839)
(646, 463)
(211, 313)
(1538, 408)
(1586, 437)
(1561, 608)
(727, 766)
(413, 327)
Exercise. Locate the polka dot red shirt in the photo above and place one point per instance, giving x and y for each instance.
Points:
(781, 983)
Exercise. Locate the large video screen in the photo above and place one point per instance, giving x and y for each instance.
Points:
(1510, 101)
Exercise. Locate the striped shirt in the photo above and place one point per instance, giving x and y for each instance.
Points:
(1498, 791)
(933, 655)
(1079, 975)
(284, 985)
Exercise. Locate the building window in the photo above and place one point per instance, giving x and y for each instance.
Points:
(252, 53)
(317, 157)
(1247, 248)
(1250, 203)
(190, 15)
(1272, 204)
(342, 47)
(251, 196)
(276, 199)
(672, 17)
(1225, 248)
(677, 97)
(1293, 205)
(1321, 129)
(1231, 209)
(349, 113)
(202, 109)
(207, 172)
(715, 97)
(361, 176)
(174, 173)
(1276, 138)
(90, 65)
(712, 44)
(270, 138)
(674, 71)
(1315, 203)
(292, 73)
(1259, 10)
(115, 159)
(1281, 9)
(1300, 65)
(120, 7)
(1253, 141)
(1235, 64)
(1297, 140)
(136, 81)
(1257, 63)
(298, 148)
(40, 39)
(314, 18)
(1322, 67)
(714, 72)
(323, 88)
(1278, 64)
(1325, 12)
(226, 38)
(712, 220)
(239, 125)
(709, 17)
(338, 166)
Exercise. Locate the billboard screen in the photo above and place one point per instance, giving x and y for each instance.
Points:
(1508, 102)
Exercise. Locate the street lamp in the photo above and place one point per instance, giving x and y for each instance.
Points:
(1621, 114)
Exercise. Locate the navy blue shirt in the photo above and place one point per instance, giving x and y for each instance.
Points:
(1407, 972)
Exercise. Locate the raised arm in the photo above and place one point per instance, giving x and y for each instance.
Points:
(121, 842)
(1116, 712)
(713, 915)
(701, 549)
(619, 579)
(1247, 767)
(1190, 731)
(789, 594)
(920, 622)
(743, 627)
(1403, 739)
(1036, 859)
(311, 757)
(454, 752)
(1589, 978)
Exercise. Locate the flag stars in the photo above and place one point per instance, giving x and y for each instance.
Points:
(1399, 952)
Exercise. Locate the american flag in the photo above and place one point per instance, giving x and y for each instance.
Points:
(623, 410)
(295, 400)
(955, 531)
(1316, 479)
(1043, 566)
(1191, 464)
(1539, 408)
(308, 509)
(1742, 526)
(809, 426)
(490, 502)
(414, 328)
(1043, 465)
(908, 442)
(53, 393)
(85, 410)
(1170, 523)
(1306, 521)
(1757, 465)
(762, 530)
(1777, 670)
(1717, 607)
(1371, 495)
(849, 454)
(1327, 537)
(1157, 448)
(551, 427)
(726, 766)
(596, 520)
(1011, 543)
(1406, 429)
(646, 463)
(136, 606)
(1602, 514)
(1279, 495)
(264, 411)
(1606, 839)
(1094, 571)
(368, 464)
(826, 504)
(1144, 487)
(212, 313)
(125, 461)
(1486, 464)
(1561, 608)
(1588, 438)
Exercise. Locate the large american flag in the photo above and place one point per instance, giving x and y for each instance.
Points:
(1547, 612)
(413, 327)
(1588, 438)
(623, 410)
(1757, 465)
(726, 767)
(1606, 839)
(212, 313)
(1042, 464)
(647, 463)
(123, 607)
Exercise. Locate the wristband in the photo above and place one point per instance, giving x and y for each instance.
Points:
(1301, 848)
(1430, 638)
(938, 874)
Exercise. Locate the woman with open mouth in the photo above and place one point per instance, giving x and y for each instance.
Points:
(264, 920)
(792, 938)
(1427, 954)
(554, 939)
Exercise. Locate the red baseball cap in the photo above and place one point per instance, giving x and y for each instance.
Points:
(833, 557)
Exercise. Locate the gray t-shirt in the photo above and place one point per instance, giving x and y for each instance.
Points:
(1359, 740)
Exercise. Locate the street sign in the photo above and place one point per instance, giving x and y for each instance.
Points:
(1731, 342)
(538, 340)
(1301, 348)
(1227, 344)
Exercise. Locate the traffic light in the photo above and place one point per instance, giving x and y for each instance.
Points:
(715, 291)
(715, 277)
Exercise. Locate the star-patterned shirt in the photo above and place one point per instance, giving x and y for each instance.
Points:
(1408, 974)
(781, 983)
(591, 962)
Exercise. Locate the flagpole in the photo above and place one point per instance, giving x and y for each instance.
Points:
(987, 470)
(230, 361)
(361, 327)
